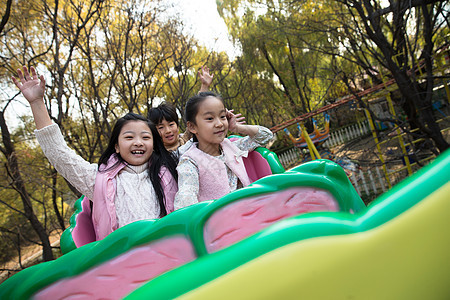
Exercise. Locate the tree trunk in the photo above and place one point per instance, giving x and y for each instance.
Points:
(427, 122)
(14, 173)
(54, 200)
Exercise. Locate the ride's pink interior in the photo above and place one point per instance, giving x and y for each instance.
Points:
(84, 233)
(118, 277)
(256, 166)
(242, 218)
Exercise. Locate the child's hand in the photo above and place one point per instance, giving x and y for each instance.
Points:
(32, 87)
(234, 120)
(206, 78)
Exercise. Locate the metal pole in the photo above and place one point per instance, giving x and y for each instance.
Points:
(380, 155)
(399, 135)
(312, 149)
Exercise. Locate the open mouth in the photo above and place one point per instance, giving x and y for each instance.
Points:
(137, 152)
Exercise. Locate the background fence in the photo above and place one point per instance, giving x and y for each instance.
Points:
(345, 134)
(292, 156)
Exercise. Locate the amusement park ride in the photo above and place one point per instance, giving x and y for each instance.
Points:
(317, 137)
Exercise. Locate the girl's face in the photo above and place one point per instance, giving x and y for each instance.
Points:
(135, 143)
(211, 125)
(168, 132)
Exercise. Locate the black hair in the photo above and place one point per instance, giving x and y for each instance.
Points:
(191, 108)
(163, 111)
(160, 156)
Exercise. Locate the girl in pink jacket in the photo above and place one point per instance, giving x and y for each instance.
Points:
(135, 178)
(213, 166)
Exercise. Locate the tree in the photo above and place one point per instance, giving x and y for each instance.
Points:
(276, 48)
(395, 41)
(179, 71)
(307, 45)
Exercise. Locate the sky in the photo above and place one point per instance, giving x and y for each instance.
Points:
(203, 21)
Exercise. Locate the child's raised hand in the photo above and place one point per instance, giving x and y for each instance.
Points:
(32, 87)
(234, 120)
(205, 77)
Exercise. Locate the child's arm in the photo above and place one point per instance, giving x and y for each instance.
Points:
(80, 173)
(206, 79)
(32, 88)
(187, 135)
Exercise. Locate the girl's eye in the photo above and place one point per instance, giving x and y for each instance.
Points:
(128, 137)
(223, 117)
(209, 119)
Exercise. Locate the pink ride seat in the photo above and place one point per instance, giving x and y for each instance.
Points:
(83, 232)
(257, 167)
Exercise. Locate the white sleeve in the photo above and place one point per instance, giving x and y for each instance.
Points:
(79, 172)
(183, 148)
(247, 143)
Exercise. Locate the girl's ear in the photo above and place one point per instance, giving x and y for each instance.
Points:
(192, 127)
(117, 148)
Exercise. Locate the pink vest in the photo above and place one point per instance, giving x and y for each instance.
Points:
(104, 216)
(213, 178)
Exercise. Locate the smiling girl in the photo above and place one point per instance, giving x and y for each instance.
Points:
(213, 166)
(135, 178)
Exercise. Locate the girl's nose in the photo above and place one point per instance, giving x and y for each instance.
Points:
(138, 142)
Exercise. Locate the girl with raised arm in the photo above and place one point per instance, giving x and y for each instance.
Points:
(135, 178)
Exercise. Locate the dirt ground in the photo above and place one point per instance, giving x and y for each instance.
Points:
(31, 255)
